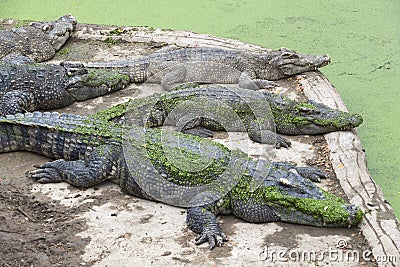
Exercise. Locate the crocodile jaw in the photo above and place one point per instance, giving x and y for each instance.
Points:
(309, 117)
(351, 216)
(293, 199)
(290, 62)
(283, 63)
(310, 128)
(57, 31)
(85, 84)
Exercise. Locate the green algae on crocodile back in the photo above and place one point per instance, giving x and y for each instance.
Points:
(141, 161)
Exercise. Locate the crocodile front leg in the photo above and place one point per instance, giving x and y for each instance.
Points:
(193, 126)
(310, 173)
(17, 101)
(265, 84)
(246, 82)
(202, 220)
(262, 134)
(101, 166)
(268, 137)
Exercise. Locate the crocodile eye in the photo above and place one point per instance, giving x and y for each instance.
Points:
(290, 55)
(304, 109)
(287, 53)
(309, 110)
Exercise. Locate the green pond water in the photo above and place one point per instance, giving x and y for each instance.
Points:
(362, 37)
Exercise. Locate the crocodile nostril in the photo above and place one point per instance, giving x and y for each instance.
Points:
(356, 120)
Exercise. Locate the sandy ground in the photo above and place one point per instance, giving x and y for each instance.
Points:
(60, 225)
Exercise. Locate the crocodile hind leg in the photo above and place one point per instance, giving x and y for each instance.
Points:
(102, 165)
(173, 77)
(17, 101)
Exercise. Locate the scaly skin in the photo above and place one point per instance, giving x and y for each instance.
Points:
(240, 110)
(31, 86)
(158, 164)
(39, 41)
(215, 65)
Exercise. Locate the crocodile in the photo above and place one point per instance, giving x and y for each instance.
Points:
(262, 114)
(39, 41)
(179, 169)
(29, 86)
(215, 65)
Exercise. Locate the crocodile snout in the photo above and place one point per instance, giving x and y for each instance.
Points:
(322, 61)
(355, 214)
(355, 120)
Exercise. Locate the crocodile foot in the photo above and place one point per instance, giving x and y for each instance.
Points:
(265, 84)
(199, 131)
(312, 174)
(54, 171)
(282, 142)
(45, 173)
(213, 236)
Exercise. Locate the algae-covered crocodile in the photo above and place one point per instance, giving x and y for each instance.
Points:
(30, 86)
(260, 113)
(179, 169)
(39, 41)
(215, 65)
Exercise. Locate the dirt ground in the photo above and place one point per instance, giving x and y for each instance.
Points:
(60, 225)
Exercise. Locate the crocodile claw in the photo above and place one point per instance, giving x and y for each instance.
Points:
(312, 174)
(282, 142)
(214, 238)
(45, 173)
(199, 131)
(265, 84)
